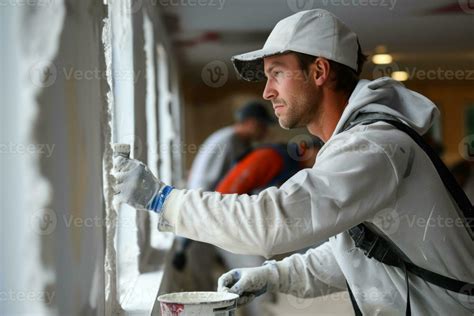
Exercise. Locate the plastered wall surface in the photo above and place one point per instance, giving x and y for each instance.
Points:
(25, 192)
(71, 111)
(52, 201)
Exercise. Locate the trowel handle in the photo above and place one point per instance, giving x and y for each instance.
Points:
(122, 150)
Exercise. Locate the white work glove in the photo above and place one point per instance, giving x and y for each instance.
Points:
(137, 186)
(249, 283)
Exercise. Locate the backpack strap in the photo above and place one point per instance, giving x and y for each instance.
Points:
(376, 245)
(464, 205)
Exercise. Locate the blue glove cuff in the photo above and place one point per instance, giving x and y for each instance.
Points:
(156, 204)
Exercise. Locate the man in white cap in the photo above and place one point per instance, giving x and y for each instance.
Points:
(400, 229)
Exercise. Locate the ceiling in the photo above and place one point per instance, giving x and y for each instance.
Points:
(419, 33)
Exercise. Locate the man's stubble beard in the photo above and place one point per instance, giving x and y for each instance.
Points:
(302, 112)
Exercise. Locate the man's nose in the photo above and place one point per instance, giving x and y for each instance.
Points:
(269, 92)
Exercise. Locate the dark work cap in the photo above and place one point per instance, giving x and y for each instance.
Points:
(254, 109)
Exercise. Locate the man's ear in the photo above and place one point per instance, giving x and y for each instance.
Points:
(321, 69)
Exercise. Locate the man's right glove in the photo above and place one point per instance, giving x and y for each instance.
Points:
(249, 283)
(137, 186)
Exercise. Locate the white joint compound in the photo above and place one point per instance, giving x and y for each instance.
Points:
(111, 304)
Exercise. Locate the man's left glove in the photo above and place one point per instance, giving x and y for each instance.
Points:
(137, 186)
(249, 283)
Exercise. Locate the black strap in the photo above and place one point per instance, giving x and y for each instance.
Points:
(375, 245)
(440, 280)
(446, 176)
(357, 311)
(408, 308)
(378, 247)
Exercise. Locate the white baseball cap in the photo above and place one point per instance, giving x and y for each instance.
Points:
(314, 32)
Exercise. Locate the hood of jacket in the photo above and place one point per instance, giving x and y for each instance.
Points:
(385, 95)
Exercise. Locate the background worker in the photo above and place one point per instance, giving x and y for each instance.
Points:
(269, 165)
(372, 171)
(216, 156)
(265, 166)
(224, 147)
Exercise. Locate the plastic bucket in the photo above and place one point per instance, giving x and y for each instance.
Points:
(198, 303)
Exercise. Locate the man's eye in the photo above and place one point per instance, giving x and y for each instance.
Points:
(277, 73)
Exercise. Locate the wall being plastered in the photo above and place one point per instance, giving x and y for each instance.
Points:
(27, 271)
(75, 78)
(52, 202)
(71, 109)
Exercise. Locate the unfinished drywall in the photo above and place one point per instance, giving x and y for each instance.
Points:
(30, 38)
(58, 122)
(70, 116)
(52, 205)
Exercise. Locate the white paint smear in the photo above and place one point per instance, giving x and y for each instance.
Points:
(111, 213)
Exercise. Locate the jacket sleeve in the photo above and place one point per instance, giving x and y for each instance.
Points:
(315, 273)
(351, 181)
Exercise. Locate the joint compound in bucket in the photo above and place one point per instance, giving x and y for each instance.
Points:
(198, 303)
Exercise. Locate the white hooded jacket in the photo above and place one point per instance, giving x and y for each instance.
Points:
(373, 173)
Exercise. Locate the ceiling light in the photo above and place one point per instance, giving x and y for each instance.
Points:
(382, 59)
(400, 75)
